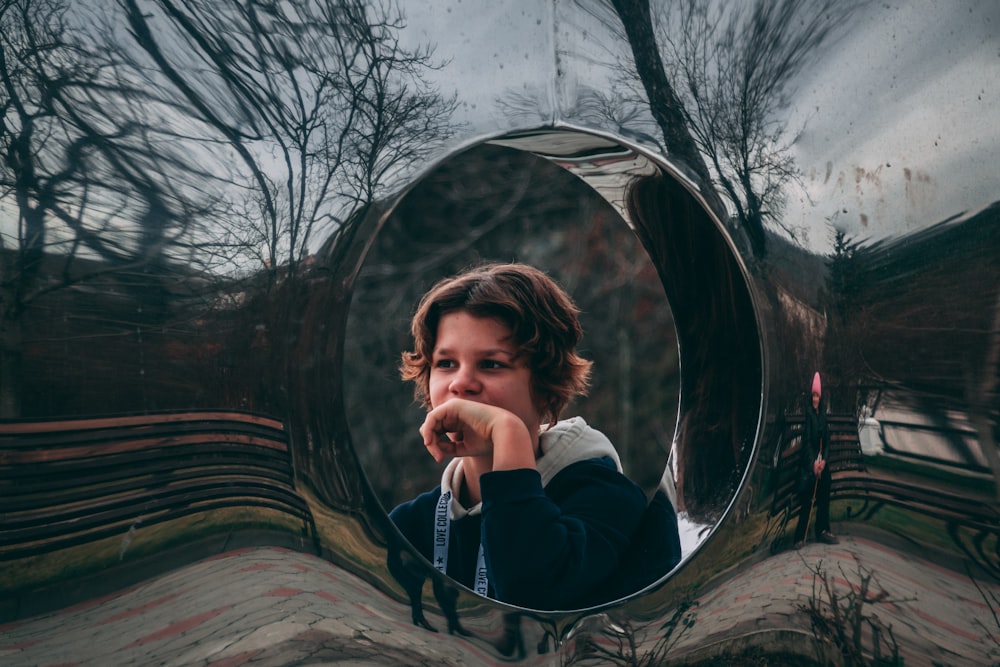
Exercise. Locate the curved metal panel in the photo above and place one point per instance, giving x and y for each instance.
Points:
(216, 217)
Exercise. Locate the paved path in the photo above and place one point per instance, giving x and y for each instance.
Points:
(938, 616)
(270, 606)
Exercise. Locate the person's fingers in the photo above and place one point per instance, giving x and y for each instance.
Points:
(458, 428)
(435, 439)
(442, 435)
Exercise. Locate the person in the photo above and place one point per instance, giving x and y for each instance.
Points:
(814, 471)
(531, 510)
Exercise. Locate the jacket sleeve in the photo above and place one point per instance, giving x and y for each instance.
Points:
(809, 445)
(551, 548)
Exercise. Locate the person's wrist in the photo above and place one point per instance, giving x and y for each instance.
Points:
(512, 444)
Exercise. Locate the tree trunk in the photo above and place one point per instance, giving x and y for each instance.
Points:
(666, 107)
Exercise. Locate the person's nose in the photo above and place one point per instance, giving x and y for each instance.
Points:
(465, 382)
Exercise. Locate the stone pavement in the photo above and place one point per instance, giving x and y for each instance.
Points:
(938, 616)
(271, 606)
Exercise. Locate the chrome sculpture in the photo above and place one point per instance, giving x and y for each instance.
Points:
(216, 218)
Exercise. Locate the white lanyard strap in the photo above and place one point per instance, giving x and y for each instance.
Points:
(482, 581)
(442, 533)
(442, 529)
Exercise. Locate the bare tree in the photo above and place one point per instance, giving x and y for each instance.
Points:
(317, 102)
(665, 103)
(716, 76)
(145, 138)
(736, 63)
(94, 193)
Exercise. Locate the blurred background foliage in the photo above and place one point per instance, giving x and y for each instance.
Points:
(495, 204)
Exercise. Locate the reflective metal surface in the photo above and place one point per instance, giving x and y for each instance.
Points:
(217, 217)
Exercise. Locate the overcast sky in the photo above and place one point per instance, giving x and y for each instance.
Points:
(901, 122)
(898, 118)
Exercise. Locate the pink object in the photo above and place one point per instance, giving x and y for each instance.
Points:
(817, 387)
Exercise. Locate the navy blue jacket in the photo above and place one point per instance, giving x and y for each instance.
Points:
(563, 546)
(815, 440)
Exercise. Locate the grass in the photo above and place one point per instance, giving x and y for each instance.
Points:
(974, 483)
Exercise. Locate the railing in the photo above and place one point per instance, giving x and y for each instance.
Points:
(69, 482)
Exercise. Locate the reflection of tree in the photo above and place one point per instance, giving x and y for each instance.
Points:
(840, 297)
(77, 166)
(318, 102)
(664, 101)
(201, 135)
(922, 317)
(615, 109)
(313, 105)
(716, 75)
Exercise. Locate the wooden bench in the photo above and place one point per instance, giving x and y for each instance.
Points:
(853, 479)
(844, 455)
(68, 482)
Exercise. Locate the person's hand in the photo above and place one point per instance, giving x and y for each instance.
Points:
(818, 466)
(461, 427)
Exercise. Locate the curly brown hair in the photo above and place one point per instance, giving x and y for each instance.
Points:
(543, 319)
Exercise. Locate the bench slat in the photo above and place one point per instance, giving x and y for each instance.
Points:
(69, 482)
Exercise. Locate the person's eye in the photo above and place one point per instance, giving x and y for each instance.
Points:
(444, 363)
(492, 364)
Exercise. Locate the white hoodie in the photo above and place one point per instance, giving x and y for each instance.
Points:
(567, 442)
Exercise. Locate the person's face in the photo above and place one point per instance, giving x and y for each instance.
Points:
(815, 401)
(474, 358)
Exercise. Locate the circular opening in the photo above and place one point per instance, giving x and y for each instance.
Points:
(658, 284)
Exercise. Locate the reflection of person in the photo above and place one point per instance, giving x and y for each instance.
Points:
(814, 471)
(531, 510)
